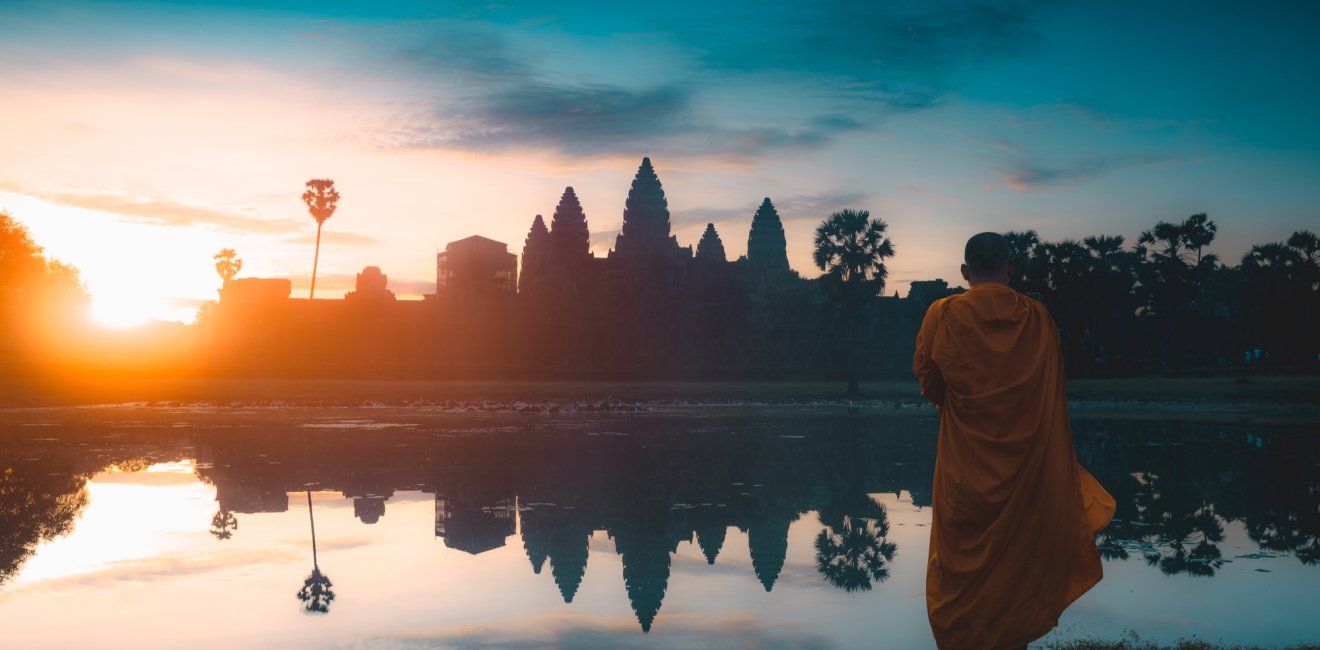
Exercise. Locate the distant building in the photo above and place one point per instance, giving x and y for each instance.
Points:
(476, 265)
(371, 285)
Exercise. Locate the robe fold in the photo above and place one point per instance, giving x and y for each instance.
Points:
(1014, 515)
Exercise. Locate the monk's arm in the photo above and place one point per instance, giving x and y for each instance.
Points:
(923, 366)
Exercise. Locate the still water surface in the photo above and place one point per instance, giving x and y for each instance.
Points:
(607, 526)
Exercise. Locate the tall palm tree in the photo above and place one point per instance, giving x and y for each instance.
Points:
(227, 264)
(321, 199)
(315, 593)
(851, 248)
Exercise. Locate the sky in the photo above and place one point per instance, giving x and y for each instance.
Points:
(142, 138)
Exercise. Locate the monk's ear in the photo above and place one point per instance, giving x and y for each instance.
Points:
(966, 277)
(1010, 270)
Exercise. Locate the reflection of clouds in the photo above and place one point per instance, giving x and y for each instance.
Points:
(170, 567)
(797, 574)
(681, 630)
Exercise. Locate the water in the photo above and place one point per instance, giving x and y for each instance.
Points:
(505, 526)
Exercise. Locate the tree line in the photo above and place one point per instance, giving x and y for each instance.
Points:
(1165, 304)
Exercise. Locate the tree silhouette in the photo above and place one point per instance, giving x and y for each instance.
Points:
(223, 524)
(316, 593)
(321, 199)
(43, 299)
(851, 248)
(227, 264)
(1171, 276)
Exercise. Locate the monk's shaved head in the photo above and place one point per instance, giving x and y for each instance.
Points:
(986, 256)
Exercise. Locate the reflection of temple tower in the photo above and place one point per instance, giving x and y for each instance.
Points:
(568, 559)
(710, 536)
(559, 535)
(767, 540)
(645, 572)
(471, 528)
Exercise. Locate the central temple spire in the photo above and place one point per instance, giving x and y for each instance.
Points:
(645, 229)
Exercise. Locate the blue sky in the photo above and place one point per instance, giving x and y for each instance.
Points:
(441, 120)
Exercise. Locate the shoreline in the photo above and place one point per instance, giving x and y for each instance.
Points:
(1281, 399)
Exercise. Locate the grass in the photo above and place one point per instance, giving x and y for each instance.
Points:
(1134, 642)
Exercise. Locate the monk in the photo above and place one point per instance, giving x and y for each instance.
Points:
(1012, 541)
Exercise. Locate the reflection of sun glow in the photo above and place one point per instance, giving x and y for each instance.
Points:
(129, 516)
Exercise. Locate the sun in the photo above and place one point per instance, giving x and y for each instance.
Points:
(123, 312)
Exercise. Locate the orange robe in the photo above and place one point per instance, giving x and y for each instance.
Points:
(1012, 541)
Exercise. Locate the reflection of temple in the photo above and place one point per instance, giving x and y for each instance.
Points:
(660, 485)
(473, 528)
(649, 308)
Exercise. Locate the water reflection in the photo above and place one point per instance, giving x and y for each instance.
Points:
(652, 483)
(316, 593)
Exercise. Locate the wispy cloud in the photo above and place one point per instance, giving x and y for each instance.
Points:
(1027, 176)
(159, 211)
(601, 119)
(339, 238)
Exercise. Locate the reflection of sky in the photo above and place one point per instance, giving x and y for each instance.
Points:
(199, 124)
(141, 570)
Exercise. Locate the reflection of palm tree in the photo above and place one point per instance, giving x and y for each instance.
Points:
(1183, 527)
(223, 524)
(315, 592)
(321, 199)
(851, 551)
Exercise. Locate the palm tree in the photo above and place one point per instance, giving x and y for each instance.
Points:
(321, 199)
(315, 592)
(851, 248)
(227, 264)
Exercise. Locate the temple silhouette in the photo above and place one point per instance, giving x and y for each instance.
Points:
(651, 308)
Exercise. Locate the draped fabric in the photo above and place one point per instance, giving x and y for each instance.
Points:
(1014, 517)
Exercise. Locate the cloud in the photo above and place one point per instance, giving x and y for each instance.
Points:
(338, 238)
(157, 211)
(900, 56)
(1027, 176)
(679, 630)
(171, 567)
(508, 78)
(601, 119)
